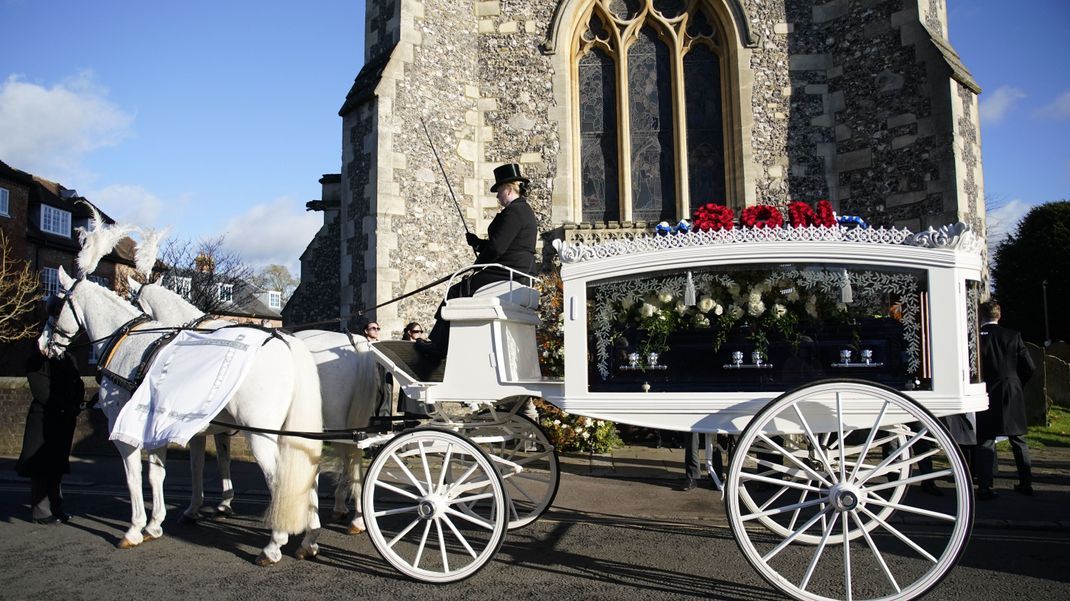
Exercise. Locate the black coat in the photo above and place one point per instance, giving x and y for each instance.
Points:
(1005, 365)
(58, 393)
(511, 239)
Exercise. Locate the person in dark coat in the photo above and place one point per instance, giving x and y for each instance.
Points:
(58, 392)
(510, 241)
(1005, 365)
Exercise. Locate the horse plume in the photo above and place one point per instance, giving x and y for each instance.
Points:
(147, 251)
(97, 240)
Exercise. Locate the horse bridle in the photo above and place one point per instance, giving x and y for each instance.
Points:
(54, 307)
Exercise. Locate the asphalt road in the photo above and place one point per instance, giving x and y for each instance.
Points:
(604, 539)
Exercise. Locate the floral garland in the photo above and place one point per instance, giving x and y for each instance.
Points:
(761, 216)
(713, 217)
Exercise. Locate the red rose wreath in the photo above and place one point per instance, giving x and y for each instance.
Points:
(761, 216)
(712, 217)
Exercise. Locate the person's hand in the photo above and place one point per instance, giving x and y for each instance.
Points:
(473, 240)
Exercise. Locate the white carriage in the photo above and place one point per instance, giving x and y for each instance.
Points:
(831, 352)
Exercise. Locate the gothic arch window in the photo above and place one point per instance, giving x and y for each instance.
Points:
(649, 109)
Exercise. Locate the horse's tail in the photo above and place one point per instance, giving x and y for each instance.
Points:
(291, 499)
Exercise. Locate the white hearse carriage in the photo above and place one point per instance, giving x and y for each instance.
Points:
(830, 352)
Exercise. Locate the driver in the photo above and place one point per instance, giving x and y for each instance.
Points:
(510, 241)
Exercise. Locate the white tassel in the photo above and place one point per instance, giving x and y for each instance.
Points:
(689, 291)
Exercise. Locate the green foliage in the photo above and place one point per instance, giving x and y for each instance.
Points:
(1037, 251)
(550, 333)
(573, 433)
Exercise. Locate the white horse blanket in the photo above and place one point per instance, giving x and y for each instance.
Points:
(191, 380)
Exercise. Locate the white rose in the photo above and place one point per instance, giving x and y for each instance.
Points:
(718, 309)
(841, 307)
(701, 321)
(585, 435)
(648, 310)
(557, 422)
(665, 296)
(793, 295)
(755, 296)
(735, 311)
(779, 310)
(587, 422)
(681, 308)
(627, 303)
(754, 309)
(705, 304)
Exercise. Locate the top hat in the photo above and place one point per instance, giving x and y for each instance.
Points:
(509, 172)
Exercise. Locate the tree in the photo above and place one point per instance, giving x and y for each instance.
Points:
(1037, 251)
(208, 274)
(19, 291)
(277, 277)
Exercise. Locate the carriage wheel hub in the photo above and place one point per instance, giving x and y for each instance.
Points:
(846, 497)
(427, 509)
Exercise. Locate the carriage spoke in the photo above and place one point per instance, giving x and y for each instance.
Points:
(819, 447)
(910, 480)
(442, 547)
(472, 498)
(422, 546)
(896, 533)
(877, 470)
(893, 457)
(846, 554)
(794, 459)
(787, 540)
(399, 491)
(471, 518)
(911, 509)
(876, 553)
(795, 514)
(839, 425)
(517, 488)
(826, 530)
(779, 493)
(869, 441)
(409, 474)
(784, 509)
(402, 534)
(471, 470)
(779, 482)
(462, 539)
(445, 465)
(396, 511)
(427, 469)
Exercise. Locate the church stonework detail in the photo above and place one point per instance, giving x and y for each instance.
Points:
(861, 102)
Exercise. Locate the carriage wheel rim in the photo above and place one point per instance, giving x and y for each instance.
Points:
(434, 505)
(831, 507)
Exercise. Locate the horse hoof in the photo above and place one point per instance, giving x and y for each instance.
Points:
(126, 544)
(263, 561)
(354, 529)
(149, 537)
(302, 554)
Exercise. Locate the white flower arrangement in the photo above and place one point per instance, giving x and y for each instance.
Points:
(779, 310)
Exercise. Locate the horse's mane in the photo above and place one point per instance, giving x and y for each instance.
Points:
(147, 250)
(97, 240)
(113, 296)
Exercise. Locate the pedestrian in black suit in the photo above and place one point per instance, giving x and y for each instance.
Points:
(510, 242)
(1005, 365)
(58, 392)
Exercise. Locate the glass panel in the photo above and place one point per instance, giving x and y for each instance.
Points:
(598, 137)
(973, 338)
(624, 9)
(705, 141)
(758, 328)
(699, 26)
(650, 102)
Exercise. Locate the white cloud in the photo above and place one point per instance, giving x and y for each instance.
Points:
(129, 204)
(1059, 109)
(275, 232)
(996, 105)
(48, 130)
(1003, 220)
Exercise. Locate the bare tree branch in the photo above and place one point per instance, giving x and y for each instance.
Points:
(19, 292)
(212, 277)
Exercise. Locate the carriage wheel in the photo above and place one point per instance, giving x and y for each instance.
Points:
(531, 490)
(434, 505)
(845, 495)
(758, 498)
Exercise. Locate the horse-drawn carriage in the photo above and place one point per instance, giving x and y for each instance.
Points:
(830, 352)
(872, 333)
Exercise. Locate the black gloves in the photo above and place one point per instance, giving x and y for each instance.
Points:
(474, 241)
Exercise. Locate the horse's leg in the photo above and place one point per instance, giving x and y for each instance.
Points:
(222, 456)
(309, 548)
(342, 484)
(132, 466)
(265, 450)
(157, 472)
(196, 469)
(356, 476)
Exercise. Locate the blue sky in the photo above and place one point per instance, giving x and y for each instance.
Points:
(219, 117)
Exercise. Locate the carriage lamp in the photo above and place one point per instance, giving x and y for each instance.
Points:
(756, 357)
(845, 356)
(867, 356)
(737, 358)
(652, 359)
(633, 360)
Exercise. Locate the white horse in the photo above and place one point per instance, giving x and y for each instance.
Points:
(348, 385)
(280, 392)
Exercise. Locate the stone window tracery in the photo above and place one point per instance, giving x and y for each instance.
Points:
(649, 108)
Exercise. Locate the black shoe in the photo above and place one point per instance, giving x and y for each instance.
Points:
(930, 488)
(49, 521)
(689, 485)
(1025, 489)
(63, 517)
(986, 494)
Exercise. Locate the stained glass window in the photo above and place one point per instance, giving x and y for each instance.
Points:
(598, 137)
(651, 129)
(705, 136)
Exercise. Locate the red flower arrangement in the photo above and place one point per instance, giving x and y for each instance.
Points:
(801, 215)
(761, 216)
(713, 217)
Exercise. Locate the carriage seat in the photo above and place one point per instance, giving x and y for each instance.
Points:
(497, 300)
